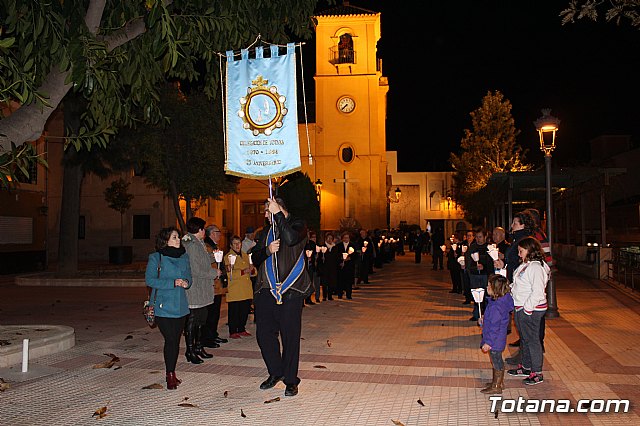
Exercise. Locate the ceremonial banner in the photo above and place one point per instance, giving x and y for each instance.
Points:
(261, 114)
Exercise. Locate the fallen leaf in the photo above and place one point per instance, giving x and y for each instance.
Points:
(319, 366)
(4, 385)
(154, 386)
(242, 413)
(269, 401)
(100, 412)
(187, 404)
(397, 422)
(186, 398)
(329, 343)
(4, 342)
(128, 337)
(302, 338)
(117, 368)
(420, 402)
(106, 364)
(226, 394)
(154, 372)
(114, 357)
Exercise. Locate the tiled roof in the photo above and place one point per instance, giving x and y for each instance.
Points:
(345, 9)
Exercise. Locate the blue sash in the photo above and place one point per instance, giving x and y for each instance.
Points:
(279, 288)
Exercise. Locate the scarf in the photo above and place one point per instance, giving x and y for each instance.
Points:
(172, 251)
(277, 285)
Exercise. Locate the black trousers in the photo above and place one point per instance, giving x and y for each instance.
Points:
(171, 330)
(210, 327)
(363, 273)
(418, 254)
(238, 313)
(345, 283)
(456, 279)
(283, 321)
(466, 285)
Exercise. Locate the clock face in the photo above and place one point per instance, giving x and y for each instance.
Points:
(346, 104)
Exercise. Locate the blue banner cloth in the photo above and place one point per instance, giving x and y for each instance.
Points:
(262, 114)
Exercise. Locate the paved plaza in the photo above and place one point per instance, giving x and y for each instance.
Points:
(403, 351)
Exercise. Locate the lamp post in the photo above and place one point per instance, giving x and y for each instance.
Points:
(547, 126)
(318, 185)
(391, 200)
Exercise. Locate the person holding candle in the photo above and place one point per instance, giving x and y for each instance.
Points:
(479, 266)
(210, 336)
(200, 295)
(240, 291)
(347, 270)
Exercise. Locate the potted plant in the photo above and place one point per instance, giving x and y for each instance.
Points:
(119, 199)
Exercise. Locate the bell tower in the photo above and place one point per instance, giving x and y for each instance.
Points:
(351, 102)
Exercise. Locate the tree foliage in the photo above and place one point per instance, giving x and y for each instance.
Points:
(182, 156)
(614, 11)
(119, 199)
(300, 195)
(490, 147)
(115, 54)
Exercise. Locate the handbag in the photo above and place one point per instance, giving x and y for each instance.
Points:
(149, 312)
(148, 307)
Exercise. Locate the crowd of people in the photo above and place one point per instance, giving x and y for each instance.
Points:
(513, 274)
(273, 272)
(276, 272)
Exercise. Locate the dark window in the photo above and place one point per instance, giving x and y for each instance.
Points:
(141, 226)
(346, 154)
(81, 227)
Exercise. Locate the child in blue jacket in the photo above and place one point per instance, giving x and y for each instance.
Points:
(494, 329)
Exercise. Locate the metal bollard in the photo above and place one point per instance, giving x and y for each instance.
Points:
(25, 355)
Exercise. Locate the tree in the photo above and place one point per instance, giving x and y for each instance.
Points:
(119, 199)
(107, 60)
(487, 149)
(301, 197)
(614, 10)
(115, 53)
(182, 156)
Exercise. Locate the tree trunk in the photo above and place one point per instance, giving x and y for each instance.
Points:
(173, 191)
(69, 214)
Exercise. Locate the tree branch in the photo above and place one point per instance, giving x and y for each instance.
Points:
(125, 34)
(27, 123)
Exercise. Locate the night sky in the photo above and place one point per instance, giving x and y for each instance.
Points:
(441, 58)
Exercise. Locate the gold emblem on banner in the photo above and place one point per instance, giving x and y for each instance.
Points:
(263, 109)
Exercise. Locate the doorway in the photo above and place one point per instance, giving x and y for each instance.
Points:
(251, 215)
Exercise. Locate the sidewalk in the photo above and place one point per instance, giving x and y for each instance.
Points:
(403, 340)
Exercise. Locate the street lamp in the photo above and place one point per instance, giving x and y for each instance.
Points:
(547, 126)
(318, 185)
(398, 194)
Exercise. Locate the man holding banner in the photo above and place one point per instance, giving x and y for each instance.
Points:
(281, 286)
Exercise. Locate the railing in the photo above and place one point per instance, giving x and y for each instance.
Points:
(624, 267)
(342, 56)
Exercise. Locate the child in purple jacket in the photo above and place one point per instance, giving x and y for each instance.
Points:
(494, 329)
